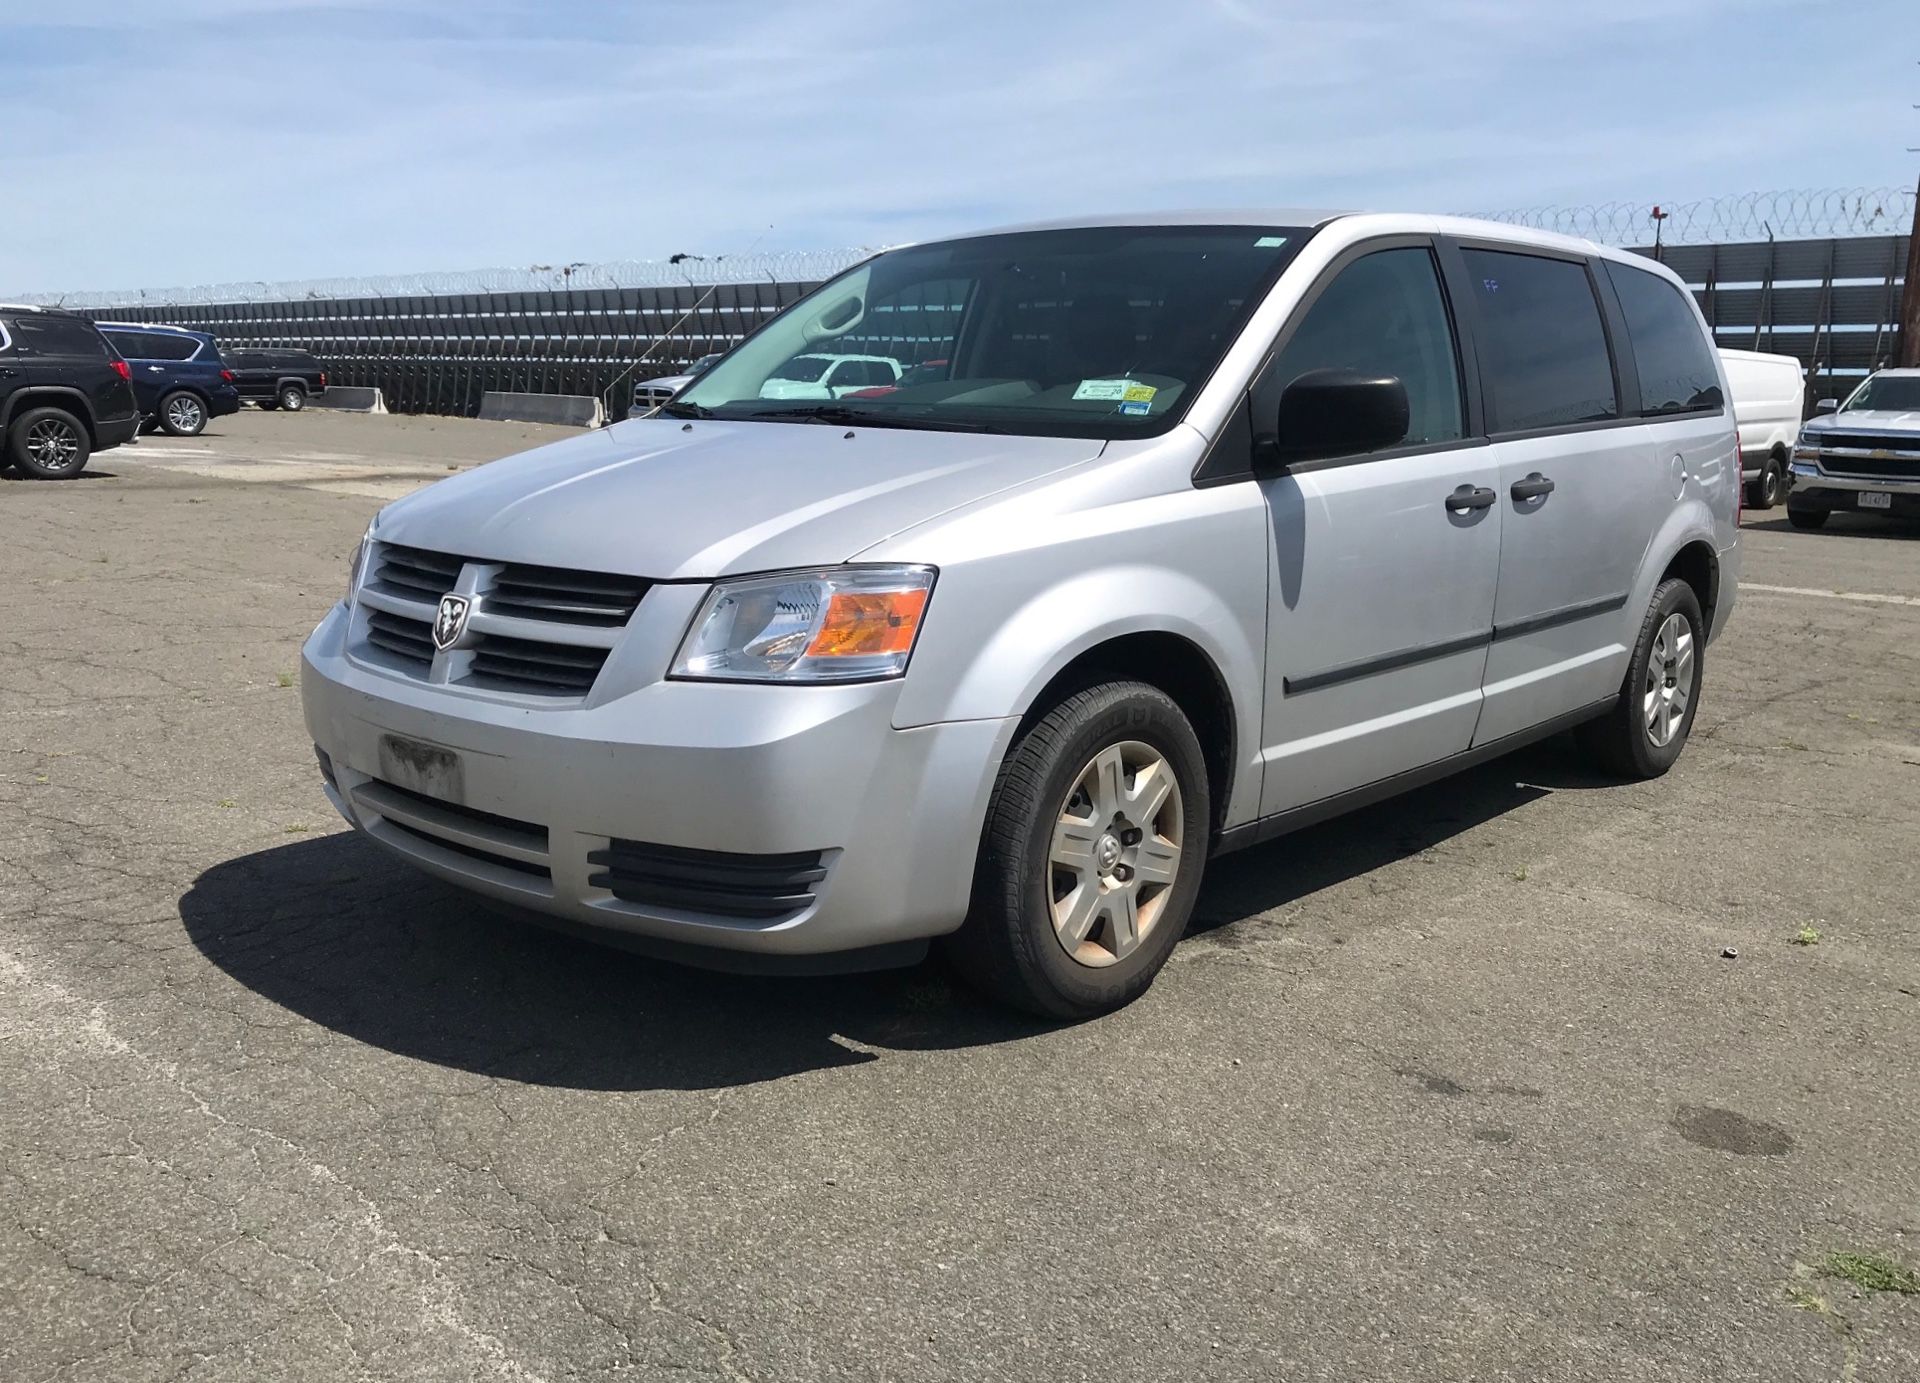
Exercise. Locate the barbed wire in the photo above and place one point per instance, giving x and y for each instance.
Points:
(1804, 213)
(679, 271)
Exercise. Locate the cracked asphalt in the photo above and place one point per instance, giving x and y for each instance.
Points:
(1461, 1087)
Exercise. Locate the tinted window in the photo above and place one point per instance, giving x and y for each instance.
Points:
(1671, 357)
(59, 336)
(1384, 314)
(244, 360)
(1546, 360)
(1899, 393)
(152, 345)
(294, 360)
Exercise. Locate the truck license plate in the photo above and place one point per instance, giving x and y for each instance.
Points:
(1875, 499)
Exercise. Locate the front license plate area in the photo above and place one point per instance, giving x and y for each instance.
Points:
(1874, 499)
(424, 768)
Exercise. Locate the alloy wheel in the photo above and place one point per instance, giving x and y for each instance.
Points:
(1669, 686)
(184, 414)
(1115, 853)
(53, 444)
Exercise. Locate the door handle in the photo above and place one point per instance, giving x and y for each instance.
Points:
(156, 369)
(1535, 486)
(1470, 497)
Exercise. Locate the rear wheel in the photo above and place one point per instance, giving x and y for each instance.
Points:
(183, 415)
(48, 444)
(1092, 855)
(1645, 730)
(266, 405)
(292, 398)
(1808, 519)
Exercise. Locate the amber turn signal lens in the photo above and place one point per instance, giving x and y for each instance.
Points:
(865, 622)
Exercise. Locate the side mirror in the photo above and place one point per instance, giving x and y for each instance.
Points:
(1339, 413)
(1827, 406)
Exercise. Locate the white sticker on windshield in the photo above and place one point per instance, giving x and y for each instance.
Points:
(1112, 390)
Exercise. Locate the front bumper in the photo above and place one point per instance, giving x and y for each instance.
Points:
(895, 814)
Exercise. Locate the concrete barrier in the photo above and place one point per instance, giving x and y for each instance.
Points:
(349, 398)
(569, 410)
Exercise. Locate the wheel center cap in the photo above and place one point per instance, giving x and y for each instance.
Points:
(1107, 853)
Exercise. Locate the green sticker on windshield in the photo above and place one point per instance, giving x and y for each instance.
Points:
(1269, 242)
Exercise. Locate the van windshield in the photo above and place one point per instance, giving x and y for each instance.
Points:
(1099, 332)
(1892, 393)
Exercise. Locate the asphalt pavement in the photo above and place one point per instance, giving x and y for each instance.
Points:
(1529, 1075)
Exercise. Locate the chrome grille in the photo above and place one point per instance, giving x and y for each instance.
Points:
(410, 640)
(530, 665)
(415, 574)
(582, 614)
(565, 597)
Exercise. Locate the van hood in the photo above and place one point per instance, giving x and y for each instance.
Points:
(667, 500)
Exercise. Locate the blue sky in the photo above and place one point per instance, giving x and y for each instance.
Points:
(196, 141)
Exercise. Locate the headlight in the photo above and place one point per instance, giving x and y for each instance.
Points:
(1808, 440)
(839, 624)
(355, 562)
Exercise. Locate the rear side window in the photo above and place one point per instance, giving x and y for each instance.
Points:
(1670, 351)
(1546, 361)
(60, 336)
(1383, 314)
(153, 345)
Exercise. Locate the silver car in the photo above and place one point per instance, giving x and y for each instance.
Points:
(1199, 529)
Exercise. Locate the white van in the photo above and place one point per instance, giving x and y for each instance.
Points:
(1769, 400)
(1203, 528)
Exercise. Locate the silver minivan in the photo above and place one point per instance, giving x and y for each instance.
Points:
(1179, 532)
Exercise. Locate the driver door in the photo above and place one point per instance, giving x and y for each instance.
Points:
(1382, 566)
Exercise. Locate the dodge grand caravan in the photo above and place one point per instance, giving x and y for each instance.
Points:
(1206, 528)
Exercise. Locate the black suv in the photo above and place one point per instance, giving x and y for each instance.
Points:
(65, 393)
(277, 378)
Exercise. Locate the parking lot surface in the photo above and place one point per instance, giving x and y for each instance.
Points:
(1529, 1075)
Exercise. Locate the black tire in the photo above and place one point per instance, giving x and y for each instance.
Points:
(1621, 741)
(183, 414)
(1807, 519)
(266, 405)
(48, 444)
(291, 397)
(1008, 946)
(1770, 487)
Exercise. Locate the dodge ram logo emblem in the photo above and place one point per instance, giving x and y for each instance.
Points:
(451, 622)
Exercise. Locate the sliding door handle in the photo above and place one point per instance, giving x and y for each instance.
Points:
(1535, 486)
(1469, 497)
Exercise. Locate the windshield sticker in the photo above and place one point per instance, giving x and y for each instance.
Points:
(1136, 407)
(1112, 390)
(1269, 242)
(1139, 393)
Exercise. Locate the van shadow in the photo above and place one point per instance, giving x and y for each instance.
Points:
(338, 932)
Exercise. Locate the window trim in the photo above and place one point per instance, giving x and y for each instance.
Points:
(6, 338)
(1626, 393)
(1217, 467)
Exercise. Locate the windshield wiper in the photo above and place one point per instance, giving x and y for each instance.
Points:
(839, 416)
(685, 410)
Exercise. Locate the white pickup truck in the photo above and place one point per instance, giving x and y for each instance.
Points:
(1769, 398)
(1863, 455)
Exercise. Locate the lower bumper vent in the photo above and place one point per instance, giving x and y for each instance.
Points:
(760, 888)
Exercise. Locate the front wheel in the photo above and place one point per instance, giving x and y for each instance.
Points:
(1644, 731)
(1807, 519)
(48, 444)
(183, 415)
(1770, 487)
(1095, 841)
(292, 398)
